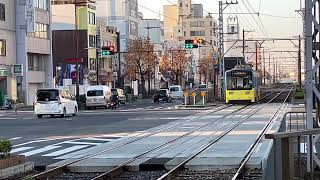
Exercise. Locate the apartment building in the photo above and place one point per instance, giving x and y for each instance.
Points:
(33, 47)
(7, 48)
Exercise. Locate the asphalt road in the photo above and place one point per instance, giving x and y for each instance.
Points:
(48, 140)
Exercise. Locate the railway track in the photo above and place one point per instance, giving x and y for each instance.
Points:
(62, 172)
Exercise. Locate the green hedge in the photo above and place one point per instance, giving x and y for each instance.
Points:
(299, 94)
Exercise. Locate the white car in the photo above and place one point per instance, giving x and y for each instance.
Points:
(55, 102)
(176, 92)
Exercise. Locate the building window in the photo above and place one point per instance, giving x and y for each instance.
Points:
(92, 18)
(35, 62)
(41, 31)
(2, 12)
(101, 63)
(197, 33)
(2, 47)
(211, 32)
(41, 4)
(211, 23)
(180, 4)
(92, 41)
(92, 64)
(197, 24)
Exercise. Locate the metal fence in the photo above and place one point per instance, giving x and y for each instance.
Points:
(291, 148)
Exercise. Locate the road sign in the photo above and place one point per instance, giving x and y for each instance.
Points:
(193, 94)
(17, 70)
(186, 93)
(3, 72)
(203, 93)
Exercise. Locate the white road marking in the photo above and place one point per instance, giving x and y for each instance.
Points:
(30, 142)
(85, 143)
(155, 118)
(7, 118)
(15, 138)
(64, 151)
(20, 149)
(37, 151)
(97, 139)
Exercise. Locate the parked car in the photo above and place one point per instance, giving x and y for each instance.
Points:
(176, 92)
(121, 97)
(55, 102)
(162, 95)
(98, 96)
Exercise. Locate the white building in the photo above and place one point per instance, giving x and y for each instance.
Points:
(25, 39)
(153, 29)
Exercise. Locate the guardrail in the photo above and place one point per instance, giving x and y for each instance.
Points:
(291, 148)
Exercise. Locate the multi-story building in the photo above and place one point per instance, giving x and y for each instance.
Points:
(75, 21)
(7, 47)
(33, 47)
(192, 25)
(154, 30)
(170, 20)
(122, 14)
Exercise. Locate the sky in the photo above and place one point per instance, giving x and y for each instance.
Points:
(277, 18)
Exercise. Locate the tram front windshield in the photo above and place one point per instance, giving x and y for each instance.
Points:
(239, 80)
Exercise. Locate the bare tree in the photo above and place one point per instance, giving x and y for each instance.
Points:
(140, 60)
(175, 61)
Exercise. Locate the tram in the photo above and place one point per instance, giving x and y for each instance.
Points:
(242, 84)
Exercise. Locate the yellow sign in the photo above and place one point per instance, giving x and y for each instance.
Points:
(194, 94)
(186, 94)
(203, 93)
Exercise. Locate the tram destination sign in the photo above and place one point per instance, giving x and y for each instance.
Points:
(240, 73)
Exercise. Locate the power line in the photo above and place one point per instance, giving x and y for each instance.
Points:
(276, 16)
(255, 20)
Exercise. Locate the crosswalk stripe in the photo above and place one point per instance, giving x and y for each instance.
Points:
(64, 151)
(85, 143)
(15, 138)
(37, 151)
(97, 139)
(20, 149)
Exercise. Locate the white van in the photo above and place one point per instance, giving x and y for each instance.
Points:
(176, 92)
(55, 102)
(98, 96)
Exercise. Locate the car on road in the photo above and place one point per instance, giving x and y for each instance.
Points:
(121, 97)
(176, 92)
(162, 95)
(55, 102)
(98, 96)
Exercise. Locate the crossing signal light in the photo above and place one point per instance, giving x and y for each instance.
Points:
(107, 50)
(190, 44)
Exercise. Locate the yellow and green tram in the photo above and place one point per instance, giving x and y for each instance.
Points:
(242, 84)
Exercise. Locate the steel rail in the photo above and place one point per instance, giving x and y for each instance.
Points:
(121, 168)
(260, 137)
(180, 166)
(63, 168)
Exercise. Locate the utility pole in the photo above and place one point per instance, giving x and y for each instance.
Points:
(120, 85)
(264, 68)
(243, 45)
(221, 46)
(299, 63)
(270, 65)
(274, 71)
(256, 56)
(77, 52)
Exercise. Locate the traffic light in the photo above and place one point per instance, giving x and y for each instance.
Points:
(107, 50)
(190, 44)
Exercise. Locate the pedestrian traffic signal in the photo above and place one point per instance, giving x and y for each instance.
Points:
(107, 50)
(190, 44)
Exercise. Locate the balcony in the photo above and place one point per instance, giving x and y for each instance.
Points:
(36, 77)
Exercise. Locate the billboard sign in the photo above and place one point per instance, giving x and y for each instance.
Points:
(17, 70)
(31, 23)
